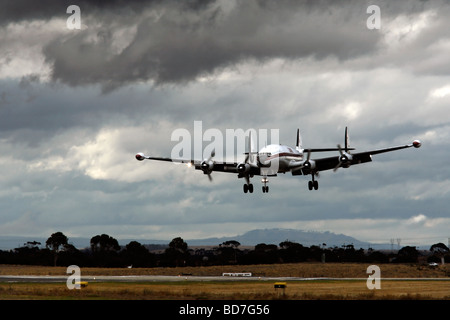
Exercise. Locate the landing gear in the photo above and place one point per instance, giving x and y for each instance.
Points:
(313, 184)
(248, 188)
(265, 187)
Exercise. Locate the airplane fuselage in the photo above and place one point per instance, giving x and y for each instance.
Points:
(279, 157)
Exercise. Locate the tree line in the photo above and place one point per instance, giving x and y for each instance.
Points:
(105, 251)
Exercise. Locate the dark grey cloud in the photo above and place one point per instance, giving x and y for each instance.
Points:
(21, 10)
(173, 44)
(66, 148)
(124, 42)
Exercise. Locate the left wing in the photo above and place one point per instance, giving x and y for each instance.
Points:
(346, 159)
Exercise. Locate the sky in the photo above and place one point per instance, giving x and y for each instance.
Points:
(77, 104)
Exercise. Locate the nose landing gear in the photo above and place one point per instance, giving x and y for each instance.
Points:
(265, 187)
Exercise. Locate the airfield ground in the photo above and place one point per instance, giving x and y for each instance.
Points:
(305, 281)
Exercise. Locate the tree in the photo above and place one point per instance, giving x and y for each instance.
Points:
(293, 252)
(439, 251)
(228, 250)
(105, 250)
(101, 243)
(56, 243)
(136, 255)
(407, 254)
(178, 244)
(231, 243)
(262, 254)
(439, 248)
(177, 254)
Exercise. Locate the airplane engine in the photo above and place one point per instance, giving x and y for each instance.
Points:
(345, 158)
(207, 166)
(243, 167)
(309, 164)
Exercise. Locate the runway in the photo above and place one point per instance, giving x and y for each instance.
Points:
(154, 278)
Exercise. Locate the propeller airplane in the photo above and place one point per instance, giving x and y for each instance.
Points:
(276, 158)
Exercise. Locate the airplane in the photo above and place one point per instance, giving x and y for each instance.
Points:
(274, 159)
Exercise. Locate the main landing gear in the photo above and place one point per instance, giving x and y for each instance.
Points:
(248, 188)
(313, 184)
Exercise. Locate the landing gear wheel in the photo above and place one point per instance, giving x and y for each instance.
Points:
(248, 188)
(313, 185)
(265, 189)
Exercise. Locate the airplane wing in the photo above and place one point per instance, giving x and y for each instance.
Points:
(346, 160)
(208, 165)
(245, 169)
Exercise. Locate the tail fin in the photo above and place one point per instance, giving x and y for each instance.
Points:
(250, 147)
(298, 143)
(347, 145)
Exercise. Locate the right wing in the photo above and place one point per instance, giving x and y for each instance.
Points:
(208, 165)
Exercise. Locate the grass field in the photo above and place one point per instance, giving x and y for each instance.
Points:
(241, 290)
(236, 290)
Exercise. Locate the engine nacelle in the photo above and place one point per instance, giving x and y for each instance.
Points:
(207, 166)
(309, 164)
(345, 158)
(140, 156)
(243, 167)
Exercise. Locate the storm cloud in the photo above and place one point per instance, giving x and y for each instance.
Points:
(76, 105)
(171, 42)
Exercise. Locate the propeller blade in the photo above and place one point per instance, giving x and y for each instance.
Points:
(341, 153)
(213, 153)
(340, 149)
(337, 167)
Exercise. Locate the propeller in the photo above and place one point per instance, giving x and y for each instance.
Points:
(343, 158)
(208, 165)
(308, 156)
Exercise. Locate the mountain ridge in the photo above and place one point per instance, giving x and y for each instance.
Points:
(249, 238)
(278, 235)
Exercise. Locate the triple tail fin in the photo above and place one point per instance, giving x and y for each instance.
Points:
(347, 145)
(298, 143)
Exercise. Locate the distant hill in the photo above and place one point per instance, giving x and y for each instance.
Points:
(276, 236)
(250, 238)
